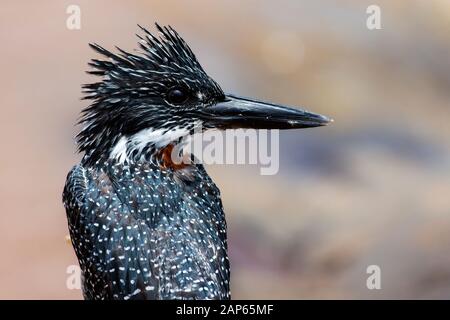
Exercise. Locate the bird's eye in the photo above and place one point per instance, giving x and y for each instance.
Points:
(177, 96)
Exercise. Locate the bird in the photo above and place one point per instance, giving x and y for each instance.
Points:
(143, 226)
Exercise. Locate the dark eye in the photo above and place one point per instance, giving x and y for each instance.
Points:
(177, 96)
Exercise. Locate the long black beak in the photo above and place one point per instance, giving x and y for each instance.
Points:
(238, 112)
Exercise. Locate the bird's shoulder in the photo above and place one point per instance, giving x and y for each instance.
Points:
(74, 192)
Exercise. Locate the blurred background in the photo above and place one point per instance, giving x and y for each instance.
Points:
(371, 189)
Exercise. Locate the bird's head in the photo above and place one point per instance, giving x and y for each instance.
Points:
(149, 100)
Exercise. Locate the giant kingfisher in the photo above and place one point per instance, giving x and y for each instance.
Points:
(143, 226)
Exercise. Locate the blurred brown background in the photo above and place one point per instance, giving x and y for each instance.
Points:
(373, 188)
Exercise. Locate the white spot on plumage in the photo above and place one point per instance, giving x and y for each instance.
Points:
(119, 152)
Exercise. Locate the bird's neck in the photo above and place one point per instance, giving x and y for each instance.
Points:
(126, 151)
(160, 163)
(160, 146)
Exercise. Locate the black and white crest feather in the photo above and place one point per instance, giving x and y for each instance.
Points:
(131, 94)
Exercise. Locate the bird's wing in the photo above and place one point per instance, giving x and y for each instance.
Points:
(124, 256)
(215, 254)
(112, 248)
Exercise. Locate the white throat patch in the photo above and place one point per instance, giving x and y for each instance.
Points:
(158, 138)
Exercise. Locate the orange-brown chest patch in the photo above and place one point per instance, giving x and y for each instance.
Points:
(167, 157)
